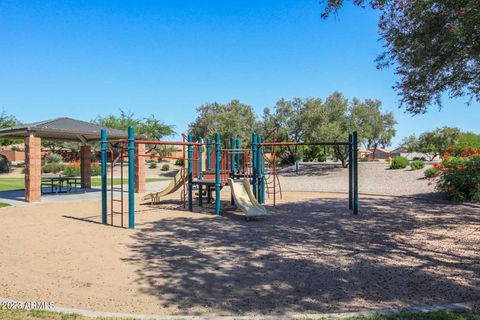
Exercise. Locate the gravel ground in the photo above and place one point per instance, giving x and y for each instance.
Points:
(374, 178)
(309, 256)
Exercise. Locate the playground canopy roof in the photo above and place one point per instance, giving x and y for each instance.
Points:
(63, 129)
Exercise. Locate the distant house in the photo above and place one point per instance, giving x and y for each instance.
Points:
(401, 151)
(380, 153)
(371, 153)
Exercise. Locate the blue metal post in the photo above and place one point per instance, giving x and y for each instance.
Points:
(261, 166)
(190, 173)
(254, 164)
(232, 164)
(350, 172)
(355, 172)
(104, 174)
(238, 154)
(217, 173)
(200, 164)
(232, 157)
(209, 153)
(131, 177)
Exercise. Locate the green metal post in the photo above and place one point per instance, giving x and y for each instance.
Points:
(190, 173)
(355, 172)
(350, 172)
(254, 164)
(232, 157)
(131, 177)
(238, 154)
(200, 160)
(217, 173)
(209, 153)
(104, 174)
(232, 164)
(261, 166)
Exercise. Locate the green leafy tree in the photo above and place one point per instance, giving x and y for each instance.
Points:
(312, 120)
(410, 143)
(469, 140)
(375, 129)
(232, 119)
(150, 127)
(433, 44)
(8, 121)
(288, 119)
(434, 143)
(330, 121)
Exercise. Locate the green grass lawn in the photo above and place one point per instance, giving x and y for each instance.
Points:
(21, 314)
(10, 184)
(3, 205)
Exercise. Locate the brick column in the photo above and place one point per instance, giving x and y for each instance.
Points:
(139, 168)
(33, 169)
(85, 166)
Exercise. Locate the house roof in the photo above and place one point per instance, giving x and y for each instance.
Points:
(380, 150)
(63, 129)
(399, 149)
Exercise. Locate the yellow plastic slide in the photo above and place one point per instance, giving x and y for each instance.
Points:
(173, 186)
(245, 200)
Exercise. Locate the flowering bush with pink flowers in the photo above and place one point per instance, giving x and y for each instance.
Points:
(458, 175)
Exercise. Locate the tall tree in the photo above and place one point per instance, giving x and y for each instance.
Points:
(288, 119)
(8, 121)
(376, 129)
(232, 119)
(151, 127)
(433, 143)
(469, 140)
(433, 44)
(330, 121)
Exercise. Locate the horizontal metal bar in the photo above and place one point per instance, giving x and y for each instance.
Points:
(303, 143)
(168, 143)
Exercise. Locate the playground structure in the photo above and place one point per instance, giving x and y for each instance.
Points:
(207, 168)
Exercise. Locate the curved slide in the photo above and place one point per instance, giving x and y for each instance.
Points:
(245, 200)
(173, 186)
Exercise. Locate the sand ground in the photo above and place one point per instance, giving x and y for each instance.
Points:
(310, 255)
(373, 177)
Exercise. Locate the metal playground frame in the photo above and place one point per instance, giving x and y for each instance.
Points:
(207, 167)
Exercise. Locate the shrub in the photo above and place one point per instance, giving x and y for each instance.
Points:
(71, 171)
(53, 167)
(399, 162)
(15, 148)
(459, 175)
(166, 167)
(179, 162)
(4, 164)
(152, 165)
(430, 172)
(53, 158)
(96, 171)
(417, 164)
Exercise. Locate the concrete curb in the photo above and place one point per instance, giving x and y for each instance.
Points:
(465, 306)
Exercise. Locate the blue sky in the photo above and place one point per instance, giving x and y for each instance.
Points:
(165, 57)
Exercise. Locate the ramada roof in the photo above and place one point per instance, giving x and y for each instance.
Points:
(62, 129)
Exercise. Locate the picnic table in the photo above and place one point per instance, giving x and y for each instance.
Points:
(60, 184)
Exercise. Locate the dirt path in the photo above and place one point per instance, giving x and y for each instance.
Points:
(310, 255)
